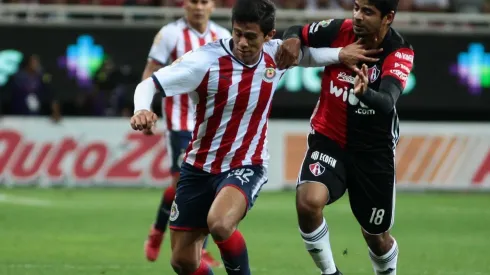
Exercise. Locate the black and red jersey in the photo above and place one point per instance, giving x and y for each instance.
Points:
(342, 116)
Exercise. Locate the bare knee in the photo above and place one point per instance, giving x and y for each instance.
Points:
(220, 227)
(227, 210)
(310, 201)
(379, 244)
(184, 264)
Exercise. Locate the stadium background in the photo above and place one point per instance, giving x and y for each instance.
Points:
(93, 57)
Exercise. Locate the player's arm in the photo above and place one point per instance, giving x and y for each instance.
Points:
(315, 40)
(297, 37)
(319, 57)
(183, 76)
(396, 68)
(151, 67)
(163, 45)
(317, 34)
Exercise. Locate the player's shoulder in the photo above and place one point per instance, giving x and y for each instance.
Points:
(270, 47)
(272, 44)
(172, 27)
(211, 50)
(397, 41)
(221, 31)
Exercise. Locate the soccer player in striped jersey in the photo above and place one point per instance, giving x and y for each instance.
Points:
(232, 82)
(171, 42)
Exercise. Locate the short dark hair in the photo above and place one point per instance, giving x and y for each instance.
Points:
(385, 6)
(262, 12)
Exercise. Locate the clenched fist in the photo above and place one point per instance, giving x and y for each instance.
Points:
(143, 120)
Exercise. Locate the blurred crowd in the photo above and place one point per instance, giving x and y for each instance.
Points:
(405, 5)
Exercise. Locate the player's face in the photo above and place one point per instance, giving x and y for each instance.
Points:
(198, 11)
(248, 40)
(368, 20)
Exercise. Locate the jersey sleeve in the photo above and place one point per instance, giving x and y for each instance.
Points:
(185, 74)
(319, 57)
(397, 66)
(321, 34)
(164, 43)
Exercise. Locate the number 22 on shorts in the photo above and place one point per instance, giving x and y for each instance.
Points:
(377, 216)
(242, 174)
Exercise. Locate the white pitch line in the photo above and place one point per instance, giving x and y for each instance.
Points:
(10, 199)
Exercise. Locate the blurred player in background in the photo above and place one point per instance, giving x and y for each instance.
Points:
(232, 81)
(354, 133)
(171, 42)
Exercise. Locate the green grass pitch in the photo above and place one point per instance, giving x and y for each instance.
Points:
(101, 232)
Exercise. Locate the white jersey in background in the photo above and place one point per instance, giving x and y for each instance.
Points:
(171, 42)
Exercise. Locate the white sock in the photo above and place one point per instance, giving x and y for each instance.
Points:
(318, 245)
(385, 264)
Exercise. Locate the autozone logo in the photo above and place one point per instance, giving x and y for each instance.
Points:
(22, 160)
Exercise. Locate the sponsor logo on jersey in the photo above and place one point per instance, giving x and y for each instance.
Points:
(373, 74)
(408, 57)
(317, 169)
(347, 95)
(401, 75)
(343, 76)
(402, 67)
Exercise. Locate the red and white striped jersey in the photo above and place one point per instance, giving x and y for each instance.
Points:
(233, 101)
(233, 104)
(171, 42)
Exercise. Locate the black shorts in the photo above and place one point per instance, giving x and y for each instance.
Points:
(178, 141)
(197, 189)
(369, 178)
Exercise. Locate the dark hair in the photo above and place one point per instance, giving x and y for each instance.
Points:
(262, 12)
(385, 6)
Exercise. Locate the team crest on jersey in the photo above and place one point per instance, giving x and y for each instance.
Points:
(317, 169)
(373, 73)
(269, 74)
(174, 212)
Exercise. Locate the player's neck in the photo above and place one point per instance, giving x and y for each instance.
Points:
(376, 40)
(200, 27)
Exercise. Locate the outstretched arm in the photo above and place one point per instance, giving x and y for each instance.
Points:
(315, 40)
(183, 76)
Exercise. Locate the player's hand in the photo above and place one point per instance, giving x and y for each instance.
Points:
(288, 53)
(361, 81)
(355, 53)
(151, 131)
(143, 120)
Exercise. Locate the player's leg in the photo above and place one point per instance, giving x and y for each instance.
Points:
(194, 196)
(371, 184)
(320, 182)
(186, 252)
(177, 144)
(236, 192)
